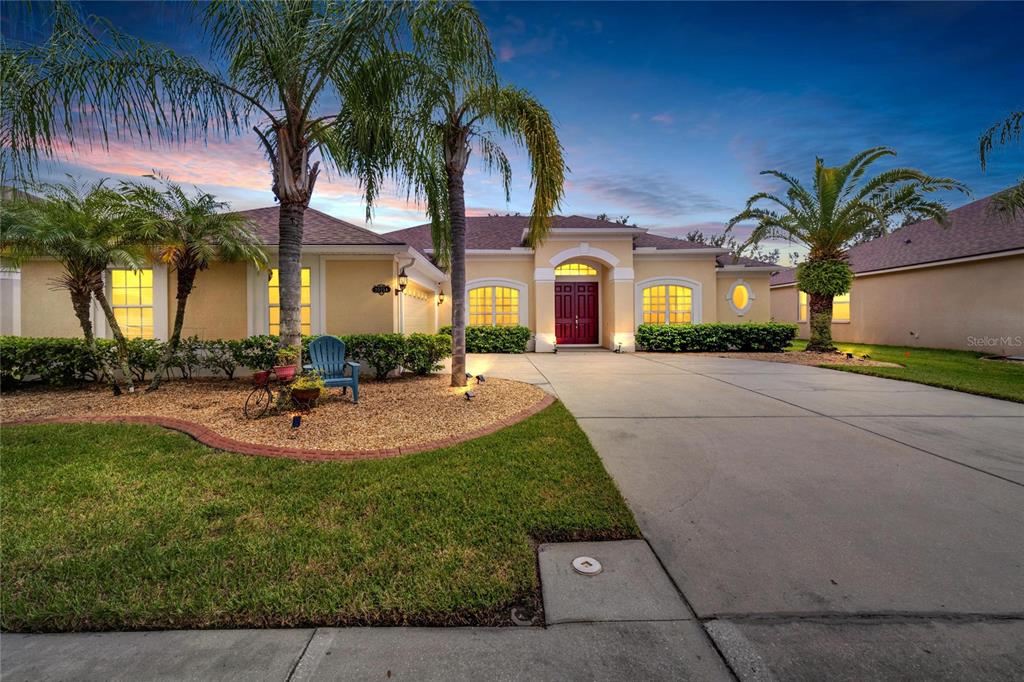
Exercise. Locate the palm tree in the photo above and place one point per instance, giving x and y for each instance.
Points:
(459, 106)
(191, 232)
(1006, 132)
(840, 205)
(306, 76)
(85, 229)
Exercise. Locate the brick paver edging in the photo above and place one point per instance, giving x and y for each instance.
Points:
(215, 440)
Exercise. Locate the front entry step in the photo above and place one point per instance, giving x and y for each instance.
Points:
(629, 584)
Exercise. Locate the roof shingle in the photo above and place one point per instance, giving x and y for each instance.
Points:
(974, 229)
(318, 229)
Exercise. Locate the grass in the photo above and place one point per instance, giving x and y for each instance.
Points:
(956, 369)
(134, 527)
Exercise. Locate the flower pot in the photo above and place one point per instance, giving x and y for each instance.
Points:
(305, 397)
(260, 378)
(285, 372)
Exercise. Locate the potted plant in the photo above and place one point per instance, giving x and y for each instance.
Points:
(287, 363)
(307, 389)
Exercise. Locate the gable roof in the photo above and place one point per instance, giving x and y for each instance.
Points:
(319, 229)
(974, 229)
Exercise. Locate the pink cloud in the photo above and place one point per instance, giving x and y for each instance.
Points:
(663, 119)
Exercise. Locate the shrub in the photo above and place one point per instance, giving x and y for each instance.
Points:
(694, 338)
(219, 356)
(58, 362)
(256, 352)
(824, 277)
(424, 352)
(383, 352)
(62, 362)
(488, 339)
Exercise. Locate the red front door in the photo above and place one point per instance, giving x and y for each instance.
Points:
(575, 312)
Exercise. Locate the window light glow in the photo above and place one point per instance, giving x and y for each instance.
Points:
(741, 296)
(801, 306)
(274, 300)
(494, 306)
(575, 270)
(131, 297)
(668, 304)
(841, 308)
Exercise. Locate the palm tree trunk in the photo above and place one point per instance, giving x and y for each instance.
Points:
(290, 223)
(186, 279)
(457, 215)
(119, 340)
(82, 303)
(821, 324)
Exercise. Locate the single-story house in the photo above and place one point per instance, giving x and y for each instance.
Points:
(590, 284)
(960, 286)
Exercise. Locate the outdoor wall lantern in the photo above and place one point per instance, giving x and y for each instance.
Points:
(403, 282)
(440, 298)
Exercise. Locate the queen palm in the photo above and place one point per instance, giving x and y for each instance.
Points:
(1007, 131)
(842, 204)
(190, 232)
(85, 229)
(459, 106)
(304, 75)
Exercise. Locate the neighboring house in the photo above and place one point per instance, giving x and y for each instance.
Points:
(592, 283)
(958, 286)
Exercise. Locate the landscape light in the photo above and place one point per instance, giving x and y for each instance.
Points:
(296, 421)
(470, 395)
(480, 378)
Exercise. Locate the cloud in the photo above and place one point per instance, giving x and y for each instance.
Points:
(663, 119)
(645, 194)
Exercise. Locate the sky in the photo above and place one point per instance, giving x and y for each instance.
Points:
(668, 111)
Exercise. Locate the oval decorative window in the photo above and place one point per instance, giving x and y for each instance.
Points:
(740, 297)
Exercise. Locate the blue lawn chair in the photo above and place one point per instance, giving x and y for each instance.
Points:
(327, 358)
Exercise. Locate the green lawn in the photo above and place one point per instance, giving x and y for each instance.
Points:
(955, 369)
(131, 527)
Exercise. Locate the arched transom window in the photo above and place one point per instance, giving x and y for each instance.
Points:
(494, 306)
(667, 304)
(575, 270)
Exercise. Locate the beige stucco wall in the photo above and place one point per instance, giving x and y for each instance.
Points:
(350, 306)
(760, 307)
(702, 270)
(216, 308)
(945, 306)
(46, 311)
(517, 269)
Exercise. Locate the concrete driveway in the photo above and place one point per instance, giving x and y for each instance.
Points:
(819, 523)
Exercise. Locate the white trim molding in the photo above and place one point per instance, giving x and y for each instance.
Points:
(522, 287)
(584, 250)
(13, 305)
(751, 296)
(623, 275)
(696, 287)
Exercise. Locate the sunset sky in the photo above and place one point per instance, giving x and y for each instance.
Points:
(668, 111)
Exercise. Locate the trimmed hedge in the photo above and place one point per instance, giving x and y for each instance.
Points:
(769, 337)
(488, 339)
(63, 362)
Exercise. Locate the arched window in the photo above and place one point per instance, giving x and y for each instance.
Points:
(740, 297)
(494, 305)
(575, 270)
(667, 304)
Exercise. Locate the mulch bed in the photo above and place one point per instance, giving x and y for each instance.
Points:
(400, 416)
